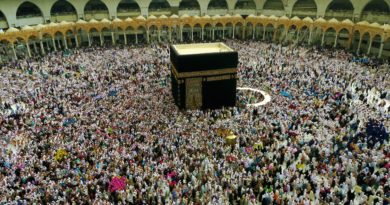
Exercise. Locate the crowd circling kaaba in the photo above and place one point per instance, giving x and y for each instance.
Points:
(99, 126)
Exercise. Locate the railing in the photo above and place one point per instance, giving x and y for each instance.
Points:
(190, 12)
(380, 17)
(301, 13)
(63, 13)
(339, 15)
(217, 11)
(28, 16)
(95, 11)
(128, 10)
(59, 18)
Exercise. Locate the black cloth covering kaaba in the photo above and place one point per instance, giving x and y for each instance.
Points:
(205, 81)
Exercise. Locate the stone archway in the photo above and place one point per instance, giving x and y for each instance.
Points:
(343, 38)
(128, 8)
(229, 30)
(375, 45)
(3, 21)
(219, 7)
(32, 44)
(141, 35)
(59, 40)
(30, 11)
(95, 36)
(269, 32)
(245, 7)
(340, 10)
(47, 41)
(207, 32)
(259, 29)
(153, 33)
(355, 40)
(106, 36)
(6, 52)
(250, 33)
(63, 11)
(376, 11)
(305, 8)
(190, 7)
(273, 7)
(219, 32)
(197, 32)
(82, 37)
(164, 33)
(280, 34)
(186, 32)
(386, 47)
(95, 9)
(159, 7)
(239, 31)
(292, 34)
(304, 35)
(130, 35)
(365, 43)
(329, 38)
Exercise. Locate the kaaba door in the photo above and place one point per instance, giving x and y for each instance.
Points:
(194, 93)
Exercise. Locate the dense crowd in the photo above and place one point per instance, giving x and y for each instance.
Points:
(72, 123)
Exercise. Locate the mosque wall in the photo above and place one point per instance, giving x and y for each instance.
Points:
(367, 17)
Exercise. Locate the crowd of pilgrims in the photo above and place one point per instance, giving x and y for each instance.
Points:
(71, 122)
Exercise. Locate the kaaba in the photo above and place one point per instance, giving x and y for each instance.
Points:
(204, 75)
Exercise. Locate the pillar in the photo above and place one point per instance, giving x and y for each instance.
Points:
(175, 9)
(192, 33)
(181, 33)
(223, 32)
(381, 49)
(42, 48)
(54, 44)
(285, 35)
(113, 37)
(310, 35)
(125, 36)
(274, 35)
(299, 32)
(360, 43)
(158, 34)
(101, 38)
(369, 46)
(28, 49)
(233, 31)
(13, 50)
(170, 34)
(65, 43)
(35, 47)
(253, 32)
(243, 32)
(59, 43)
(323, 39)
(89, 39)
(213, 33)
(76, 39)
(350, 38)
(264, 30)
(147, 36)
(136, 37)
(335, 40)
(202, 34)
(47, 45)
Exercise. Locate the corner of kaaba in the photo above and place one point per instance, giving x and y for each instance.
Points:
(203, 76)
